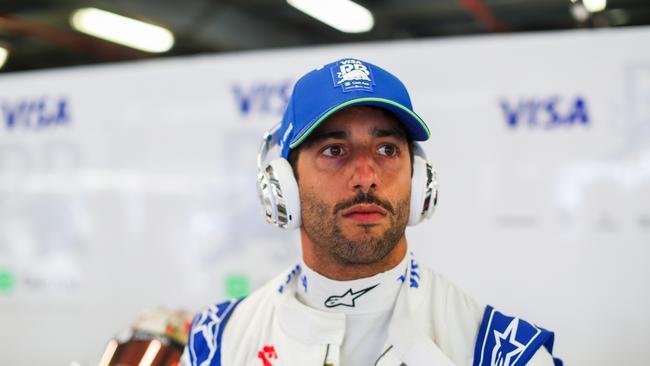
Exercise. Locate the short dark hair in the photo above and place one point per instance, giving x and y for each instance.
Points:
(293, 153)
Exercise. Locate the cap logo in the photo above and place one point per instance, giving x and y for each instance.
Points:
(351, 74)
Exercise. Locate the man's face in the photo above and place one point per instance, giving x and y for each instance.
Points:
(354, 177)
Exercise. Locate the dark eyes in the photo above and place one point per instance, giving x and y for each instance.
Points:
(387, 150)
(331, 151)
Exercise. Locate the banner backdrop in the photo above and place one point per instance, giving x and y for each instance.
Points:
(132, 186)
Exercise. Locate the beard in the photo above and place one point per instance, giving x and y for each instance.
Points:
(324, 228)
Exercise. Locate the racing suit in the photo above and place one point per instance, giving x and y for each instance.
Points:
(431, 322)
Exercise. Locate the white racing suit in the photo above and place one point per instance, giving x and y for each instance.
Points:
(433, 323)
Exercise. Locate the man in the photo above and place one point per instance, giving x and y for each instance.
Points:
(351, 177)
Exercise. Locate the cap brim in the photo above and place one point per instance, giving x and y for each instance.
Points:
(413, 124)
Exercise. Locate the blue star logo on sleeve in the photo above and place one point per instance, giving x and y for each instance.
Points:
(507, 347)
(509, 341)
(204, 340)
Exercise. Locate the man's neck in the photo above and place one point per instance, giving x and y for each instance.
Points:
(368, 295)
(328, 265)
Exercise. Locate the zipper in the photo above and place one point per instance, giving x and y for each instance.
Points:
(331, 356)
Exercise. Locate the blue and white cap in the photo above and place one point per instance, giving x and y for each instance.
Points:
(340, 84)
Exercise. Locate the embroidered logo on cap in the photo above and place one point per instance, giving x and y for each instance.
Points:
(351, 74)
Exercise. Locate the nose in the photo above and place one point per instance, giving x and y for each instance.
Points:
(364, 173)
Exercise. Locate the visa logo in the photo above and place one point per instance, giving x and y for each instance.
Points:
(35, 113)
(550, 112)
(262, 98)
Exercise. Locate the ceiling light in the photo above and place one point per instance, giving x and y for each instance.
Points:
(3, 56)
(344, 15)
(122, 30)
(595, 5)
(579, 12)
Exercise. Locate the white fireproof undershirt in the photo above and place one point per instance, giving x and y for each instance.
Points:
(366, 302)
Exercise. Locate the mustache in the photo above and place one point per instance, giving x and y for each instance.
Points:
(364, 197)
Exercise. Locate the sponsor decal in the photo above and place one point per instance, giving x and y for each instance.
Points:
(414, 278)
(36, 113)
(548, 112)
(413, 270)
(351, 74)
(267, 354)
(262, 98)
(294, 271)
(347, 299)
(303, 281)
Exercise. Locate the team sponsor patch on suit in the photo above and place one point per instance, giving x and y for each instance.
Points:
(509, 341)
(352, 75)
(204, 340)
(267, 354)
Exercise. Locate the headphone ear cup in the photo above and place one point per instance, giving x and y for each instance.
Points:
(265, 197)
(424, 191)
(279, 194)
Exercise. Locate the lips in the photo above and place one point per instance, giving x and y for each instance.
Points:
(364, 213)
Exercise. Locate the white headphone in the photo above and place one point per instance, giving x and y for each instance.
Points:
(278, 189)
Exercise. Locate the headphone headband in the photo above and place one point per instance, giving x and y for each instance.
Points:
(268, 140)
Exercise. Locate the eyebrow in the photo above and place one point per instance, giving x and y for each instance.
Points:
(335, 134)
(341, 134)
(393, 132)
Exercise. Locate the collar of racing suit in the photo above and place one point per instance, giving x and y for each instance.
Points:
(361, 296)
(406, 343)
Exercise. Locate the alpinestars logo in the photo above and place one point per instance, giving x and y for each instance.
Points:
(352, 74)
(507, 347)
(347, 299)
